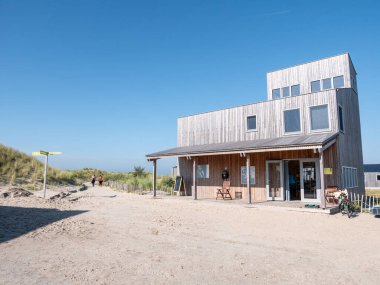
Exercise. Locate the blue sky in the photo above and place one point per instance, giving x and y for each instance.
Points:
(104, 81)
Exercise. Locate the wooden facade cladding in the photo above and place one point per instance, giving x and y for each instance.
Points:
(350, 141)
(230, 125)
(304, 74)
(207, 186)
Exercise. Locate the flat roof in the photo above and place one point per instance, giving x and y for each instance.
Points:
(371, 167)
(274, 144)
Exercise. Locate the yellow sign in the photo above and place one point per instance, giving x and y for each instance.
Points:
(327, 171)
(42, 152)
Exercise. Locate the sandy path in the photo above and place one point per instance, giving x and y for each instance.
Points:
(107, 237)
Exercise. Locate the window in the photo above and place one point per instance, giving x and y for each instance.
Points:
(319, 118)
(338, 82)
(296, 90)
(276, 93)
(243, 175)
(316, 86)
(326, 83)
(202, 171)
(341, 125)
(292, 121)
(285, 92)
(349, 177)
(251, 123)
(378, 177)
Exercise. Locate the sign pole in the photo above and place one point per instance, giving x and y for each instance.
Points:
(45, 173)
(46, 154)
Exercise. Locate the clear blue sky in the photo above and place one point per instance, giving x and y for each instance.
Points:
(104, 81)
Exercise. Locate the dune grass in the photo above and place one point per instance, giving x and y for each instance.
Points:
(18, 168)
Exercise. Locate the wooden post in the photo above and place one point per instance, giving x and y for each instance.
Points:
(321, 166)
(154, 177)
(361, 205)
(248, 166)
(195, 179)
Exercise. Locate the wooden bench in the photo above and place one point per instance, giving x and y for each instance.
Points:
(329, 194)
(224, 191)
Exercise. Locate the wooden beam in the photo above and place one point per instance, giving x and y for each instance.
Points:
(195, 179)
(249, 179)
(154, 177)
(321, 167)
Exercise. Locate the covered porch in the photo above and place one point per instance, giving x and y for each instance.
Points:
(285, 169)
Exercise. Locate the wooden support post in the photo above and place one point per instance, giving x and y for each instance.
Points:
(154, 177)
(321, 167)
(195, 179)
(248, 167)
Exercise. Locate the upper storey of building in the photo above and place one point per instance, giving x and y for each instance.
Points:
(319, 97)
(329, 73)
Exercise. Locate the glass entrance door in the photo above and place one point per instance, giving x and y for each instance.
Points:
(310, 181)
(274, 181)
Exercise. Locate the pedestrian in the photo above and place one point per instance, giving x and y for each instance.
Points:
(100, 180)
(93, 179)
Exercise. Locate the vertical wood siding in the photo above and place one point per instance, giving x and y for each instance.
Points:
(350, 141)
(305, 73)
(230, 125)
(207, 187)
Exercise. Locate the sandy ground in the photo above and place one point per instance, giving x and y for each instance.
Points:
(107, 237)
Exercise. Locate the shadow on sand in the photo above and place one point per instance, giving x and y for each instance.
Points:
(17, 221)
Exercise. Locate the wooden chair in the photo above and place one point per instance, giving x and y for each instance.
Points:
(224, 191)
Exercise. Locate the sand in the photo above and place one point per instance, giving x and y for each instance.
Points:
(100, 236)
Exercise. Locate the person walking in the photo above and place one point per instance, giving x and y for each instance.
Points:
(93, 179)
(100, 181)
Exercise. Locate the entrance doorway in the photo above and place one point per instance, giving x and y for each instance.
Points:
(310, 182)
(294, 181)
(274, 180)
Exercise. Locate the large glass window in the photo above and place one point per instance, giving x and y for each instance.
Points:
(341, 124)
(378, 177)
(276, 93)
(319, 117)
(326, 83)
(338, 82)
(285, 92)
(243, 175)
(316, 86)
(251, 123)
(202, 171)
(296, 90)
(292, 121)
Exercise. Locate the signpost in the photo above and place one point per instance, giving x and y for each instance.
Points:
(46, 154)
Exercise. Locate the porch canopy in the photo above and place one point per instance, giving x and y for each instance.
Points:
(319, 142)
(314, 141)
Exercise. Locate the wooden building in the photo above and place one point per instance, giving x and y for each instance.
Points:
(304, 138)
(372, 176)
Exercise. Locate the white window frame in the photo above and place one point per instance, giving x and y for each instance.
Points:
(279, 89)
(282, 92)
(329, 119)
(252, 175)
(246, 122)
(331, 84)
(344, 85)
(320, 86)
(291, 94)
(349, 177)
(283, 123)
(207, 171)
